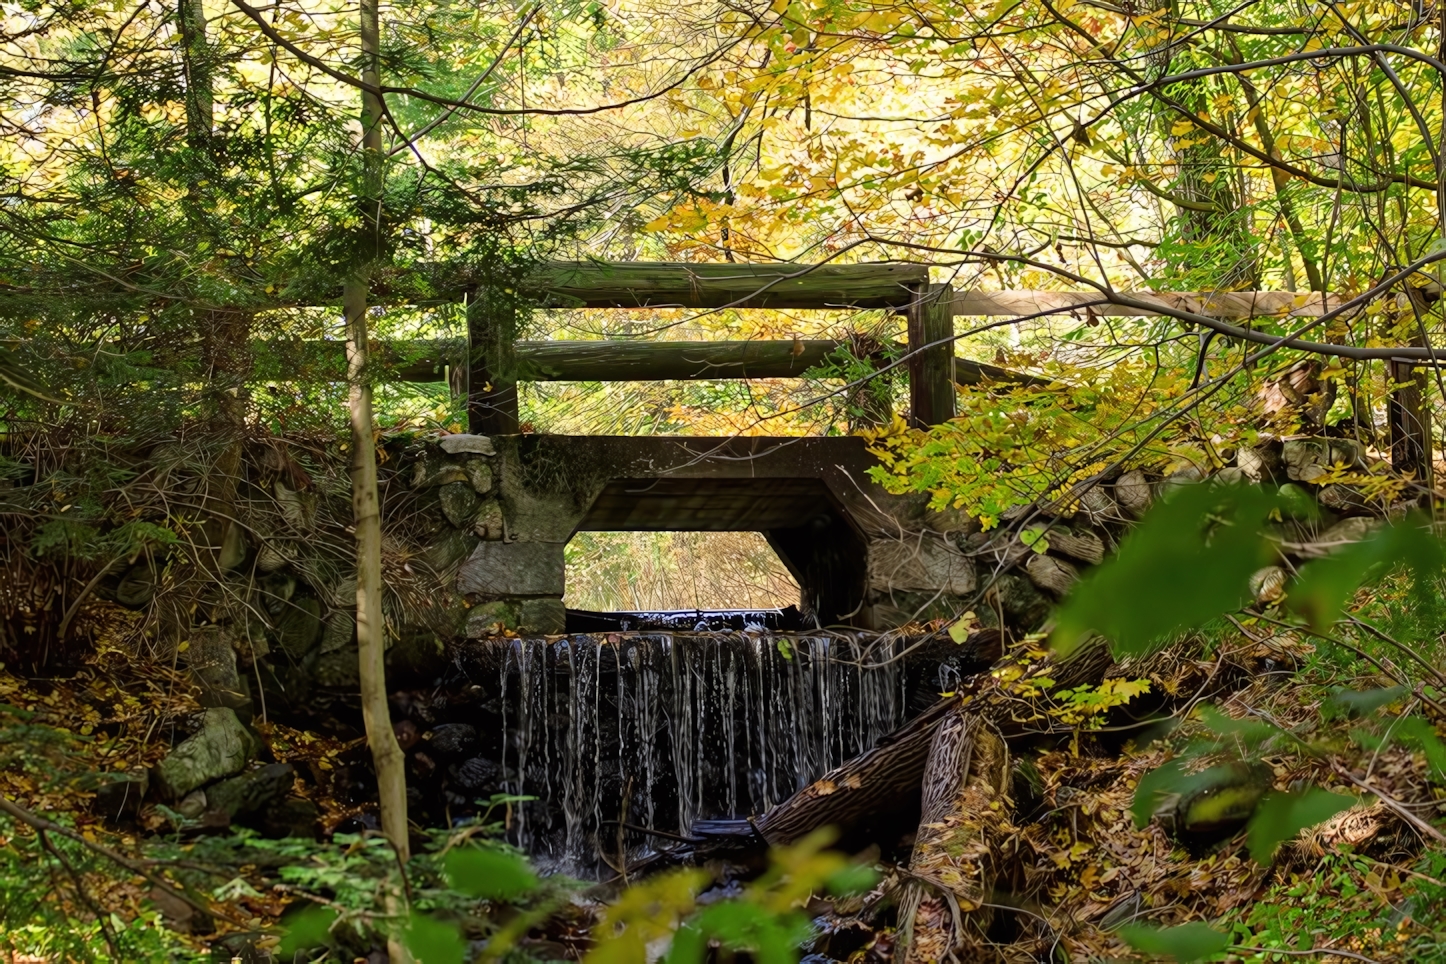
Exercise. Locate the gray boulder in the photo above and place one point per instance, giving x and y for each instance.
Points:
(249, 792)
(220, 748)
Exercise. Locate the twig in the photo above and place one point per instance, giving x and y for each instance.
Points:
(41, 824)
(1390, 802)
(1308, 951)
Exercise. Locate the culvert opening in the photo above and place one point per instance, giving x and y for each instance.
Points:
(680, 581)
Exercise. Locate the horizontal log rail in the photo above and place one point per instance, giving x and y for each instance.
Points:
(1221, 304)
(672, 284)
(590, 361)
(874, 285)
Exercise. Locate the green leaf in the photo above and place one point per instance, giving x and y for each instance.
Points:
(1188, 942)
(1325, 585)
(432, 941)
(1187, 562)
(1171, 778)
(1345, 702)
(1280, 816)
(1036, 539)
(306, 929)
(959, 629)
(490, 874)
(853, 879)
(1418, 732)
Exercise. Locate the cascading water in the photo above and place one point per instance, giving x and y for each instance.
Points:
(661, 730)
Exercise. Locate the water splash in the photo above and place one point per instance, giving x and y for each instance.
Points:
(662, 730)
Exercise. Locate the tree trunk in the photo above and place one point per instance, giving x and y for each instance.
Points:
(370, 624)
(965, 800)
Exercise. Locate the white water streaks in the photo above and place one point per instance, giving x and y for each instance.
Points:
(660, 730)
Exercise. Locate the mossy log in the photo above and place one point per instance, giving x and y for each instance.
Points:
(965, 802)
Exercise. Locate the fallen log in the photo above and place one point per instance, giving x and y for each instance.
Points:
(882, 781)
(965, 802)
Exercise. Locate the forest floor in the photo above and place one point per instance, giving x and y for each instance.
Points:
(1079, 859)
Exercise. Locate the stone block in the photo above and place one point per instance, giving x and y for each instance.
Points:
(471, 444)
(250, 791)
(479, 474)
(923, 562)
(221, 747)
(513, 569)
(490, 619)
(488, 523)
(211, 658)
(1050, 573)
(431, 472)
(459, 502)
(449, 550)
(544, 616)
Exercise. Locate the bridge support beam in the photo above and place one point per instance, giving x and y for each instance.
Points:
(491, 363)
(931, 356)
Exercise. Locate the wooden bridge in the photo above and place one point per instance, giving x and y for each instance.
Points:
(861, 556)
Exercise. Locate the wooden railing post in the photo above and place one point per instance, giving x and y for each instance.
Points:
(492, 363)
(931, 369)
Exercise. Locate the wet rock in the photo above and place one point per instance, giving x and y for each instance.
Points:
(1055, 575)
(1261, 463)
(1306, 459)
(211, 659)
(247, 793)
(417, 652)
(291, 817)
(454, 739)
(478, 774)
(407, 734)
(431, 473)
(490, 619)
(220, 748)
(298, 627)
(459, 502)
(1133, 492)
(479, 476)
(470, 444)
(488, 522)
(546, 616)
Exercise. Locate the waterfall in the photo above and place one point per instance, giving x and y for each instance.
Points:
(663, 729)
